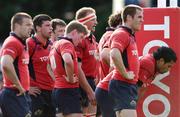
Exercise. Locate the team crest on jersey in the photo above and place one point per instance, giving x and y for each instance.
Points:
(134, 52)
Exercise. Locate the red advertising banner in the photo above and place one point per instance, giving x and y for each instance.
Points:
(161, 27)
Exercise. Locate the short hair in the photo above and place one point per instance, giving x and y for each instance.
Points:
(130, 10)
(78, 26)
(166, 53)
(115, 19)
(18, 18)
(38, 20)
(56, 21)
(84, 11)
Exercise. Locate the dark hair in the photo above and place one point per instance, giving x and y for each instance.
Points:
(38, 20)
(130, 10)
(166, 53)
(18, 18)
(115, 20)
(55, 22)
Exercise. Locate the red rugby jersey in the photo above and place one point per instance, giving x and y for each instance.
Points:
(104, 43)
(15, 47)
(57, 64)
(147, 69)
(87, 52)
(39, 54)
(123, 39)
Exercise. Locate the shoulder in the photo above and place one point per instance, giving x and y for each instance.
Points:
(12, 42)
(120, 34)
(147, 62)
(64, 44)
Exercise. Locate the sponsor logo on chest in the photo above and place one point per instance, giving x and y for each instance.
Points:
(44, 58)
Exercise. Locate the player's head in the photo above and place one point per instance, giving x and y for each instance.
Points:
(76, 31)
(42, 25)
(58, 26)
(115, 20)
(132, 16)
(165, 58)
(21, 24)
(87, 16)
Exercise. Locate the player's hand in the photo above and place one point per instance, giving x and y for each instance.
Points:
(20, 89)
(92, 98)
(34, 91)
(130, 75)
(72, 80)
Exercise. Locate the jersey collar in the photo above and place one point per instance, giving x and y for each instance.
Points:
(128, 30)
(66, 38)
(17, 37)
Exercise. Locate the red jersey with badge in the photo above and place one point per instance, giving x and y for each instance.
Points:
(123, 39)
(87, 52)
(16, 48)
(57, 64)
(38, 64)
(104, 43)
(147, 69)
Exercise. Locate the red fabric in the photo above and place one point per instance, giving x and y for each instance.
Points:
(147, 69)
(40, 60)
(104, 43)
(104, 84)
(87, 53)
(63, 46)
(121, 39)
(13, 47)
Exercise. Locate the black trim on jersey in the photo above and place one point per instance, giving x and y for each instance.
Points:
(79, 59)
(20, 39)
(48, 42)
(16, 67)
(66, 38)
(124, 53)
(139, 83)
(128, 30)
(31, 69)
(30, 65)
(125, 58)
(60, 57)
(109, 29)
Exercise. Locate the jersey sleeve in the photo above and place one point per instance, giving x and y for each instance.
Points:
(11, 49)
(66, 48)
(146, 70)
(119, 40)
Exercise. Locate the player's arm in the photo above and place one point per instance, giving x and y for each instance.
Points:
(105, 55)
(144, 75)
(9, 70)
(69, 68)
(118, 62)
(85, 85)
(50, 71)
